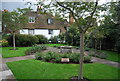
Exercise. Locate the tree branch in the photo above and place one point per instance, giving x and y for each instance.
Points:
(91, 16)
(72, 13)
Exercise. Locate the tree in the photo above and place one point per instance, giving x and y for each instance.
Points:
(110, 27)
(13, 21)
(84, 15)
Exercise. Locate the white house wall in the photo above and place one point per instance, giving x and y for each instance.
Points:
(24, 31)
(41, 32)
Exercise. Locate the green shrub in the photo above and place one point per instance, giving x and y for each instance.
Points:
(38, 56)
(54, 39)
(87, 59)
(103, 55)
(23, 40)
(74, 57)
(35, 48)
(42, 39)
(65, 55)
(97, 54)
(46, 57)
(55, 57)
(40, 46)
(52, 54)
(4, 43)
(28, 52)
(92, 53)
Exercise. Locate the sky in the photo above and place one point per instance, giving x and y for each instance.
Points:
(10, 6)
(14, 4)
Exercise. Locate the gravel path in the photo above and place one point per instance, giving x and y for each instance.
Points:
(108, 62)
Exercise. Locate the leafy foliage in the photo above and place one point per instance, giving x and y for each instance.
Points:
(35, 48)
(54, 39)
(4, 43)
(56, 57)
(23, 40)
(98, 54)
(42, 39)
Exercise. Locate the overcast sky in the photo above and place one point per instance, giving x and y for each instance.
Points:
(14, 4)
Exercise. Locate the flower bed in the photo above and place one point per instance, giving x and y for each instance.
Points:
(56, 57)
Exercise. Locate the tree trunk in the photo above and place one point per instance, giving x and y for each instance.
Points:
(100, 45)
(14, 48)
(95, 44)
(81, 55)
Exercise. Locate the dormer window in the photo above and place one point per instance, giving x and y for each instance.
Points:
(50, 21)
(31, 19)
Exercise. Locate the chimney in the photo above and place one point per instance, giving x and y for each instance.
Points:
(71, 19)
(39, 8)
(5, 10)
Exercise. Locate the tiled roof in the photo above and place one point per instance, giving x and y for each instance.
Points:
(41, 22)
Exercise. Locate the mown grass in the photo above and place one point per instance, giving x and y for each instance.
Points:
(35, 69)
(113, 56)
(7, 52)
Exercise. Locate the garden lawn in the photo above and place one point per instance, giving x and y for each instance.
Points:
(6, 52)
(113, 56)
(35, 69)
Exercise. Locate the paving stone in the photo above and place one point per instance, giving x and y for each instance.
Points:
(4, 67)
(10, 77)
(7, 73)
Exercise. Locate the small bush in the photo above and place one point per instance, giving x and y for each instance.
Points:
(4, 43)
(87, 59)
(92, 53)
(57, 59)
(54, 39)
(46, 57)
(40, 46)
(103, 55)
(97, 54)
(39, 56)
(42, 39)
(74, 57)
(52, 54)
(28, 52)
(35, 48)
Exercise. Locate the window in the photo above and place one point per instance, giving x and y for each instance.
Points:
(50, 31)
(31, 19)
(31, 31)
(50, 21)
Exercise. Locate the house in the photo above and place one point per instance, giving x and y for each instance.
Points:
(40, 23)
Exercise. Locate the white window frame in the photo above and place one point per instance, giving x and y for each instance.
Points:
(31, 19)
(50, 21)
